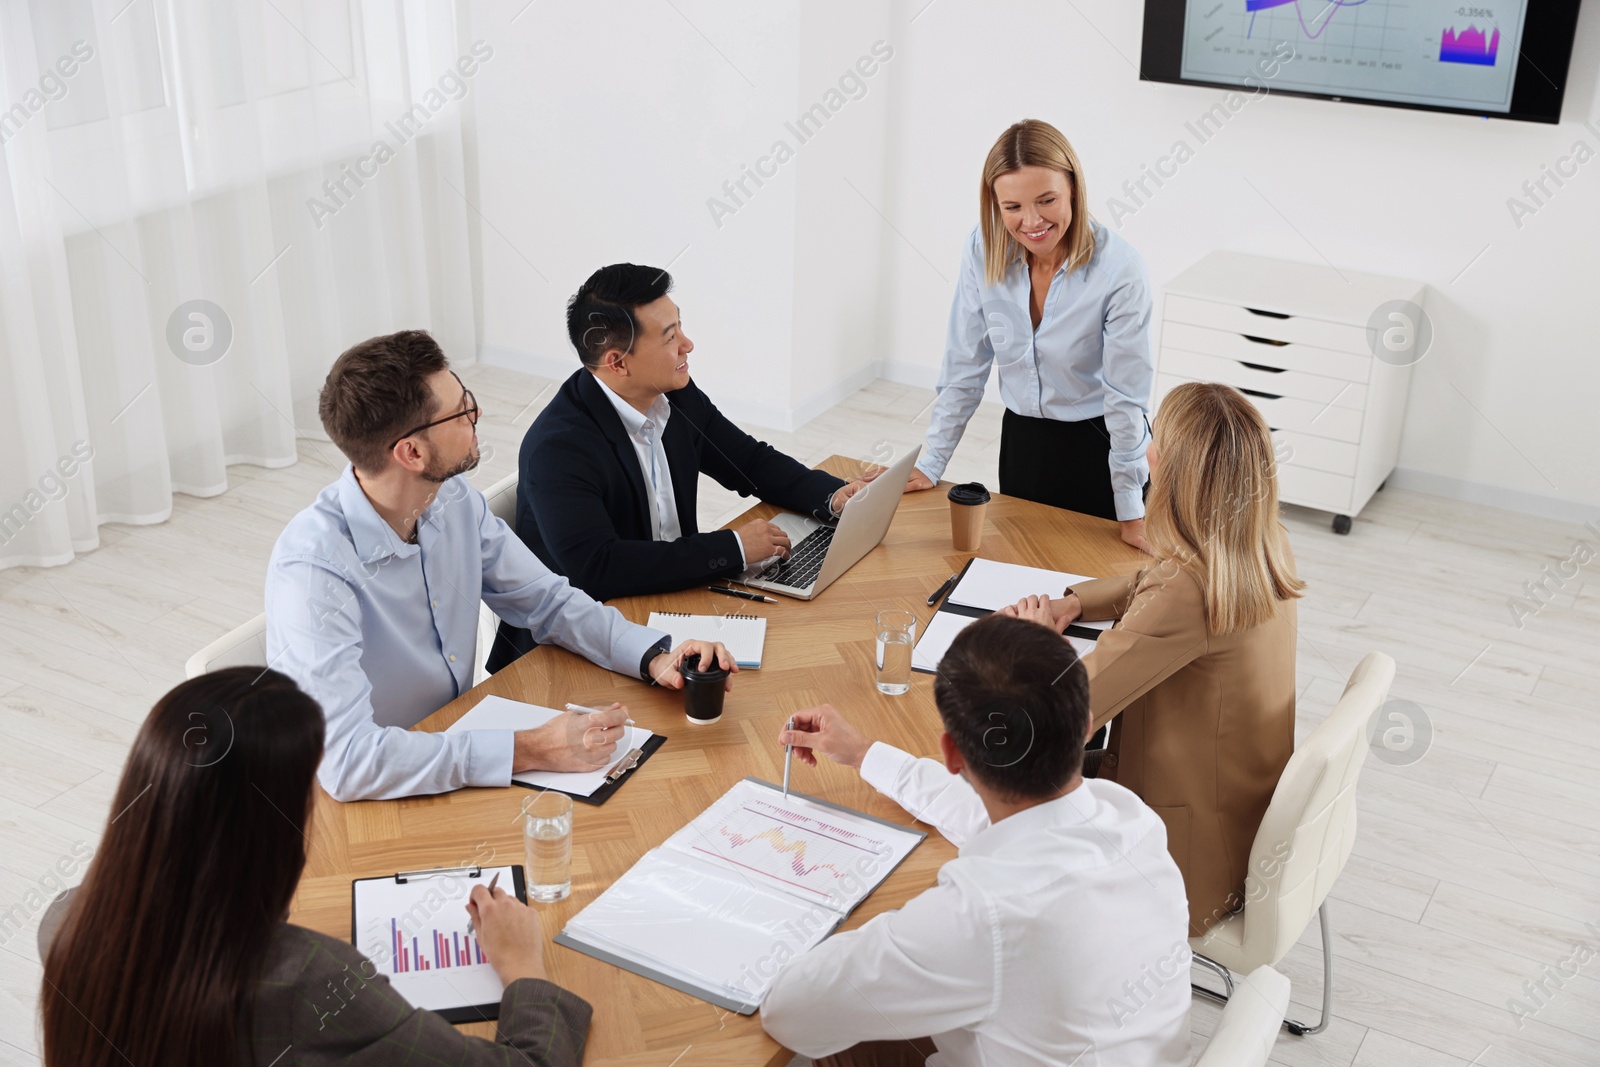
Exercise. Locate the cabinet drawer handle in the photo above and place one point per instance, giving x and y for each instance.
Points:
(1262, 367)
(1263, 396)
(1267, 314)
(1263, 340)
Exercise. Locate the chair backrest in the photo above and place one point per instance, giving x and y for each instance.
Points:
(1250, 1023)
(243, 646)
(1309, 828)
(502, 498)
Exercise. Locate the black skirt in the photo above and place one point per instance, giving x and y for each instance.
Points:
(1063, 464)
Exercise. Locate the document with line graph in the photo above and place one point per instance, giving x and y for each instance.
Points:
(748, 884)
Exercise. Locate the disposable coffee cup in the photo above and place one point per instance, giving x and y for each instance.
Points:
(703, 690)
(968, 502)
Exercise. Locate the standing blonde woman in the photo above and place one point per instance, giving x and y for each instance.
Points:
(1197, 675)
(1061, 306)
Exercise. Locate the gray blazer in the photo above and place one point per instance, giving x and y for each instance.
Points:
(315, 1005)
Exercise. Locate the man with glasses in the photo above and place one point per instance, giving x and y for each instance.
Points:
(372, 592)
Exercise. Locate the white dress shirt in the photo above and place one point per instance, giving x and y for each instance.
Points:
(383, 633)
(1058, 936)
(645, 430)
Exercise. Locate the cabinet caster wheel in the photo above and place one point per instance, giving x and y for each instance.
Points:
(1341, 524)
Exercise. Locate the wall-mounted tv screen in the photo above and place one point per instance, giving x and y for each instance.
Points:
(1508, 60)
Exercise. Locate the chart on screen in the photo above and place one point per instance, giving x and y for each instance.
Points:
(811, 850)
(1430, 52)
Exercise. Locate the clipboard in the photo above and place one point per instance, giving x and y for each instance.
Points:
(424, 985)
(622, 770)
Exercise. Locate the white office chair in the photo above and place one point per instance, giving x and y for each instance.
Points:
(1250, 1022)
(502, 498)
(242, 646)
(1302, 845)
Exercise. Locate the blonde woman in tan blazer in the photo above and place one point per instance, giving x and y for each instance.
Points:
(1197, 676)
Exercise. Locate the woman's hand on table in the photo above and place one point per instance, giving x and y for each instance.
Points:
(822, 729)
(1035, 609)
(510, 933)
(1052, 614)
(664, 669)
(918, 481)
(1132, 533)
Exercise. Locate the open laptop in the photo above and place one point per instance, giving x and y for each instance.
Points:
(819, 553)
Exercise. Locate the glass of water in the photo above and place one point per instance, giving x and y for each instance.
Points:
(547, 845)
(897, 632)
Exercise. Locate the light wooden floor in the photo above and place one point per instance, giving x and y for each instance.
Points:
(1474, 869)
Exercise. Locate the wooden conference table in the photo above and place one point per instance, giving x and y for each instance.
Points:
(816, 652)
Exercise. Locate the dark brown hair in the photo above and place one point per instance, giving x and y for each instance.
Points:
(1015, 699)
(157, 960)
(376, 391)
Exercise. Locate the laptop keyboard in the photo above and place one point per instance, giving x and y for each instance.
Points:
(805, 560)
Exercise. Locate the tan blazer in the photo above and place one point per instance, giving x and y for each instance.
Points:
(1202, 726)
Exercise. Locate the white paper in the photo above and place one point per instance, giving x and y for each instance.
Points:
(498, 713)
(815, 853)
(745, 635)
(990, 586)
(395, 928)
(936, 638)
(700, 923)
(945, 625)
(1081, 645)
(753, 881)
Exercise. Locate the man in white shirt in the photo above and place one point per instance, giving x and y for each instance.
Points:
(1059, 935)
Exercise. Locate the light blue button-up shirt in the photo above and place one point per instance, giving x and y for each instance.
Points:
(1090, 356)
(383, 633)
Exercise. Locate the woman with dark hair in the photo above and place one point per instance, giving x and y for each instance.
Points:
(175, 950)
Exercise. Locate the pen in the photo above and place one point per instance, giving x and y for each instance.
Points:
(939, 592)
(594, 711)
(492, 883)
(741, 594)
(788, 759)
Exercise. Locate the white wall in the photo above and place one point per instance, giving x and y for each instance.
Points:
(1504, 403)
(588, 153)
(604, 130)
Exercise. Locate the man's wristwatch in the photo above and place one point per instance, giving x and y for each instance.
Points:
(661, 646)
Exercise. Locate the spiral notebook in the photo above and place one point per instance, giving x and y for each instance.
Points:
(744, 635)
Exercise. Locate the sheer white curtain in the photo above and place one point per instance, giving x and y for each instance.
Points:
(196, 217)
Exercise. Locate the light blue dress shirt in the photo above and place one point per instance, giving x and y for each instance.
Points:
(383, 633)
(1090, 356)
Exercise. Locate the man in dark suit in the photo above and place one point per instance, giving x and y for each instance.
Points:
(609, 471)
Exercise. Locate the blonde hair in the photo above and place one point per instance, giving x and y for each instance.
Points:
(1031, 143)
(1214, 500)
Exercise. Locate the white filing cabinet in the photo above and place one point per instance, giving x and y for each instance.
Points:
(1293, 338)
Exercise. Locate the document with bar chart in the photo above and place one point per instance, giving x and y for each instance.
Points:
(414, 930)
(1427, 52)
(748, 884)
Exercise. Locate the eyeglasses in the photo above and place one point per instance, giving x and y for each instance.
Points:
(470, 411)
